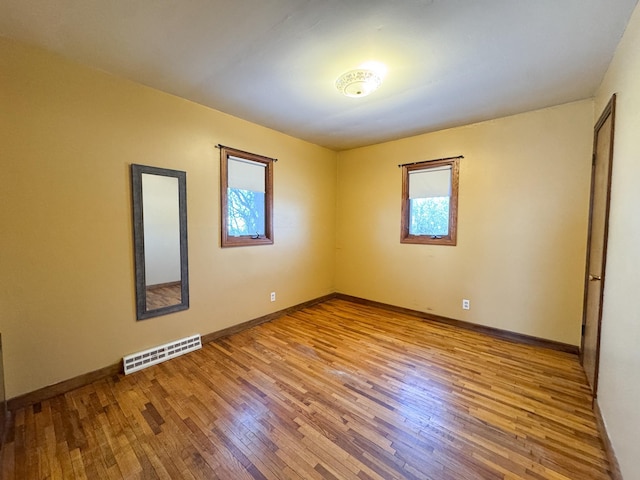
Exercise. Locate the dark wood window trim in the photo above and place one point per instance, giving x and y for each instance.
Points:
(451, 238)
(245, 240)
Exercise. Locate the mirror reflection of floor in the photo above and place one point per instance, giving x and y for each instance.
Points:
(164, 295)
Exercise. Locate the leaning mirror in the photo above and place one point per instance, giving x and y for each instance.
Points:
(160, 240)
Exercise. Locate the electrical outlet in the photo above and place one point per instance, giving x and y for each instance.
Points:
(273, 296)
(465, 304)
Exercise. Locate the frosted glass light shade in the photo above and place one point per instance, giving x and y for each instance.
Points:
(358, 83)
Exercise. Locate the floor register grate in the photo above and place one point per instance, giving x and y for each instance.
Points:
(138, 361)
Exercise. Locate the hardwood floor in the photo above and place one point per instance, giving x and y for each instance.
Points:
(334, 391)
(164, 295)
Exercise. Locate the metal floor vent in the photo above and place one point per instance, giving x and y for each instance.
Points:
(146, 358)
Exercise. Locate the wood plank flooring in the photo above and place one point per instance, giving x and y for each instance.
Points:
(335, 391)
(164, 295)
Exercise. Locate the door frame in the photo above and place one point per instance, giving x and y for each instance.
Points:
(609, 111)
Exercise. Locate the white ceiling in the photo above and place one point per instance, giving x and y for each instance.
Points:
(274, 62)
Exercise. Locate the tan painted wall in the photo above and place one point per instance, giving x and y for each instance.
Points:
(523, 207)
(69, 134)
(67, 137)
(619, 379)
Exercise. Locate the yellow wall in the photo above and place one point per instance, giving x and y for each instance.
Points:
(67, 137)
(619, 385)
(69, 133)
(523, 206)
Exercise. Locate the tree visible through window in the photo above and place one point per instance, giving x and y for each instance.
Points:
(429, 216)
(429, 202)
(246, 212)
(246, 198)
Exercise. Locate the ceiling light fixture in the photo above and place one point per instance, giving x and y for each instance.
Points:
(358, 83)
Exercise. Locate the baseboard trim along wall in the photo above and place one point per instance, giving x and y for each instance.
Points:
(60, 388)
(63, 387)
(494, 332)
(115, 369)
(615, 472)
(266, 318)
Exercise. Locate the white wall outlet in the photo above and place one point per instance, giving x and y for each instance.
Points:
(465, 304)
(273, 296)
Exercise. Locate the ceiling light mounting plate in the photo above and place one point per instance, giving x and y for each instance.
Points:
(358, 83)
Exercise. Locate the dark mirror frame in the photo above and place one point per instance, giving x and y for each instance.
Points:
(142, 312)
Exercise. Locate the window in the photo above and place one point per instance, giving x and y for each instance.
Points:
(430, 202)
(246, 198)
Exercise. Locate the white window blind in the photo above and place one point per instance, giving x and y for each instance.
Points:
(246, 175)
(430, 183)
